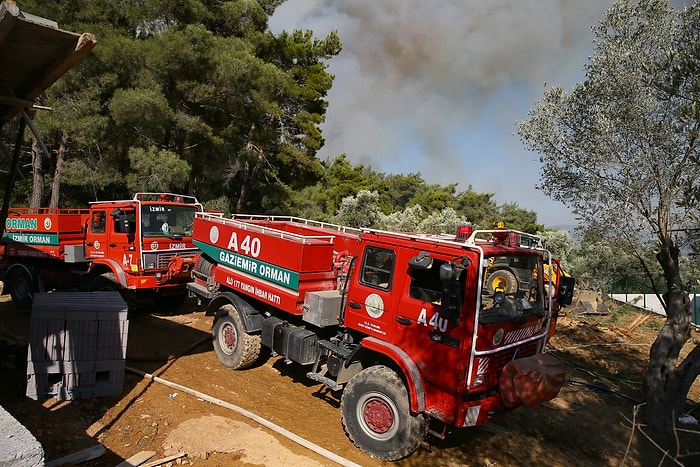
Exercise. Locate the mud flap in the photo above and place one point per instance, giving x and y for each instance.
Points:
(531, 380)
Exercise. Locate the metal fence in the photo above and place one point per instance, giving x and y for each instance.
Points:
(640, 293)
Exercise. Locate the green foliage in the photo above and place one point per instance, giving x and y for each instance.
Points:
(341, 180)
(560, 244)
(406, 220)
(517, 218)
(617, 143)
(220, 204)
(360, 210)
(435, 197)
(201, 79)
(617, 149)
(622, 151)
(156, 171)
(477, 208)
(444, 221)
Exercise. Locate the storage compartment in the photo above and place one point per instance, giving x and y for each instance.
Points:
(322, 308)
(75, 254)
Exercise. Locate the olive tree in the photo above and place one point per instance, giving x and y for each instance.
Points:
(621, 150)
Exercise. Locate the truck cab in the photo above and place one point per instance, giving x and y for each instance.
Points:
(142, 244)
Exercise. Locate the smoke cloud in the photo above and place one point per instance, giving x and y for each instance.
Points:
(436, 87)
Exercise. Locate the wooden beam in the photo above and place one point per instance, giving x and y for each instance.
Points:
(85, 43)
(14, 101)
(8, 16)
(78, 457)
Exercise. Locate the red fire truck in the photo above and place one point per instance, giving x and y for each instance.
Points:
(139, 245)
(420, 332)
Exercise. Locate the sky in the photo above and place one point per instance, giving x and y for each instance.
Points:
(437, 87)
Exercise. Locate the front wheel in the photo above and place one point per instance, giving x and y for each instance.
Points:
(21, 287)
(377, 416)
(234, 347)
(106, 282)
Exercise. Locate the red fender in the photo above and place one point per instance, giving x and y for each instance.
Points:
(114, 267)
(416, 391)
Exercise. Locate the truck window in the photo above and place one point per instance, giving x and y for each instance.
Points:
(377, 267)
(98, 222)
(425, 283)
(159, 220)
(512, 287)
(129, 227)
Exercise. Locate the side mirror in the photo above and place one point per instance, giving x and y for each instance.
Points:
(565, 291)
(451, 300)
(124, 224)
(421, 261)
(451, 303)
(447, 272)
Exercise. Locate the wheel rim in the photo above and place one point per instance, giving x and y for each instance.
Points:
(499, 283)
(227, 338)
(378, 416)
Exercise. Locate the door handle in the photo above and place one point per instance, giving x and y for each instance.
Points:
(112, 245)
(404, 321)
(355, 305)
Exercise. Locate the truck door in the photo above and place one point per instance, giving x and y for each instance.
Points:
(96, 240)
(432, 341)
(369, 302)
(122, 238)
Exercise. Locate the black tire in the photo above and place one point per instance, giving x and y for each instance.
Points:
(377, 416)
(106, 282)
(21, 287)
(502, 280)
(235, 348)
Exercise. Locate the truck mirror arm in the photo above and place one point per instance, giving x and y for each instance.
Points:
(451, 302)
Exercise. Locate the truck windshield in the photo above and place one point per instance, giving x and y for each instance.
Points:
(512, 287)
(158, 220)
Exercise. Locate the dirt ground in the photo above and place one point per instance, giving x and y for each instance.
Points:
(588, 424)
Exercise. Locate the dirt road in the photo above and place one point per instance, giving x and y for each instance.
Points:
(583, 426)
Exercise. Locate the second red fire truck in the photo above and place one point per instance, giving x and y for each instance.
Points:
(138, 245)
(419, 332)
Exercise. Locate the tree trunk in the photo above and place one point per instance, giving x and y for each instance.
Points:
(667, 381)
(243, 193)
(37, 175)
(56, 183)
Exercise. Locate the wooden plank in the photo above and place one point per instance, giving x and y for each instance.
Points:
(165, 459)
(78, 457)
(137, 459)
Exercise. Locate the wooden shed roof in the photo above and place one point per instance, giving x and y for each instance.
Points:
(34, 53)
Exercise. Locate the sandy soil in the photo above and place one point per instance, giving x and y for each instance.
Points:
(588, 424)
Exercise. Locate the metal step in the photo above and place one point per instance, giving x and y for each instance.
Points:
(333, 385)
(335, 348)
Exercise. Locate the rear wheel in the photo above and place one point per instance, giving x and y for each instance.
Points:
(377, 416)
(21, 287)
(234, 347)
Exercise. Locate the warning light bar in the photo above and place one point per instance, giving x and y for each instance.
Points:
(463, 232)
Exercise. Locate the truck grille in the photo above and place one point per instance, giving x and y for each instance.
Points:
(161, 260)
